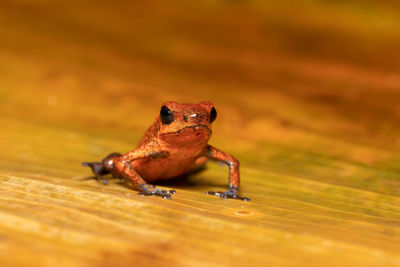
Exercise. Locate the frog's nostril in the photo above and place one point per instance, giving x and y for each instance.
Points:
(191, 117)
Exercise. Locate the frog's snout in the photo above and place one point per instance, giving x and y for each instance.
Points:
(194, 118)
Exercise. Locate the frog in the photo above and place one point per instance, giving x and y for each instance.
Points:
(175, 144)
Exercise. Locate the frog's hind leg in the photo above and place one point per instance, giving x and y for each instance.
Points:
(102, 168)
(98, 170)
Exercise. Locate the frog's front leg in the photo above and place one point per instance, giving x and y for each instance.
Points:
(124, 169)
(234, 174)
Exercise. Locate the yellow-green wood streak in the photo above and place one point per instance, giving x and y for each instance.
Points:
(307, 95)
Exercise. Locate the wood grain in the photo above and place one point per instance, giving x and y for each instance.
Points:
(307, 97)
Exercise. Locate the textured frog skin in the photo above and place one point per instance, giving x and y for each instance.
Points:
(175, 144)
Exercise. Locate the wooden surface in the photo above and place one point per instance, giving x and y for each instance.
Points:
(307, 95)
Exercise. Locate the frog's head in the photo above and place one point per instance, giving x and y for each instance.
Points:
(186, 124)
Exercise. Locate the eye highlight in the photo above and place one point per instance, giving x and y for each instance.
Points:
(213, 114)
(166, 115)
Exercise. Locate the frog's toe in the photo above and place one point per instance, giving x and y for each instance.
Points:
(158, 192)
(228, 194)
(162, 193)
(102, 180)
(214, 193)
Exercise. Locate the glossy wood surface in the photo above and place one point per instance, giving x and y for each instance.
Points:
(308, 99)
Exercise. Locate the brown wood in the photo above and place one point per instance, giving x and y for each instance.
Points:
(308, 100)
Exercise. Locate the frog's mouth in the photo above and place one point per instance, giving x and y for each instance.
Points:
(188, 127)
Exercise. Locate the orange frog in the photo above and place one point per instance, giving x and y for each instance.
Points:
(174, 145)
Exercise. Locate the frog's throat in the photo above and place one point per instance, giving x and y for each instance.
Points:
(193, 126)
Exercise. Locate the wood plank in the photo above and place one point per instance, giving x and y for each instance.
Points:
(306, 101)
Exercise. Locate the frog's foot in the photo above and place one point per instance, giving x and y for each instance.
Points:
(98, 171)
(231, 193)
(157, 192)
(101, 179)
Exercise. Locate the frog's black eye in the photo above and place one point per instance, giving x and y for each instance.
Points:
(166, 115)
(213, 114)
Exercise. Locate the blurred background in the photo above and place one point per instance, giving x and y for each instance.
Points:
(323, 72)
(307, 89)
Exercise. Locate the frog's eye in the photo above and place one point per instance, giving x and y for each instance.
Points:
(213, 114)
(166, 115)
